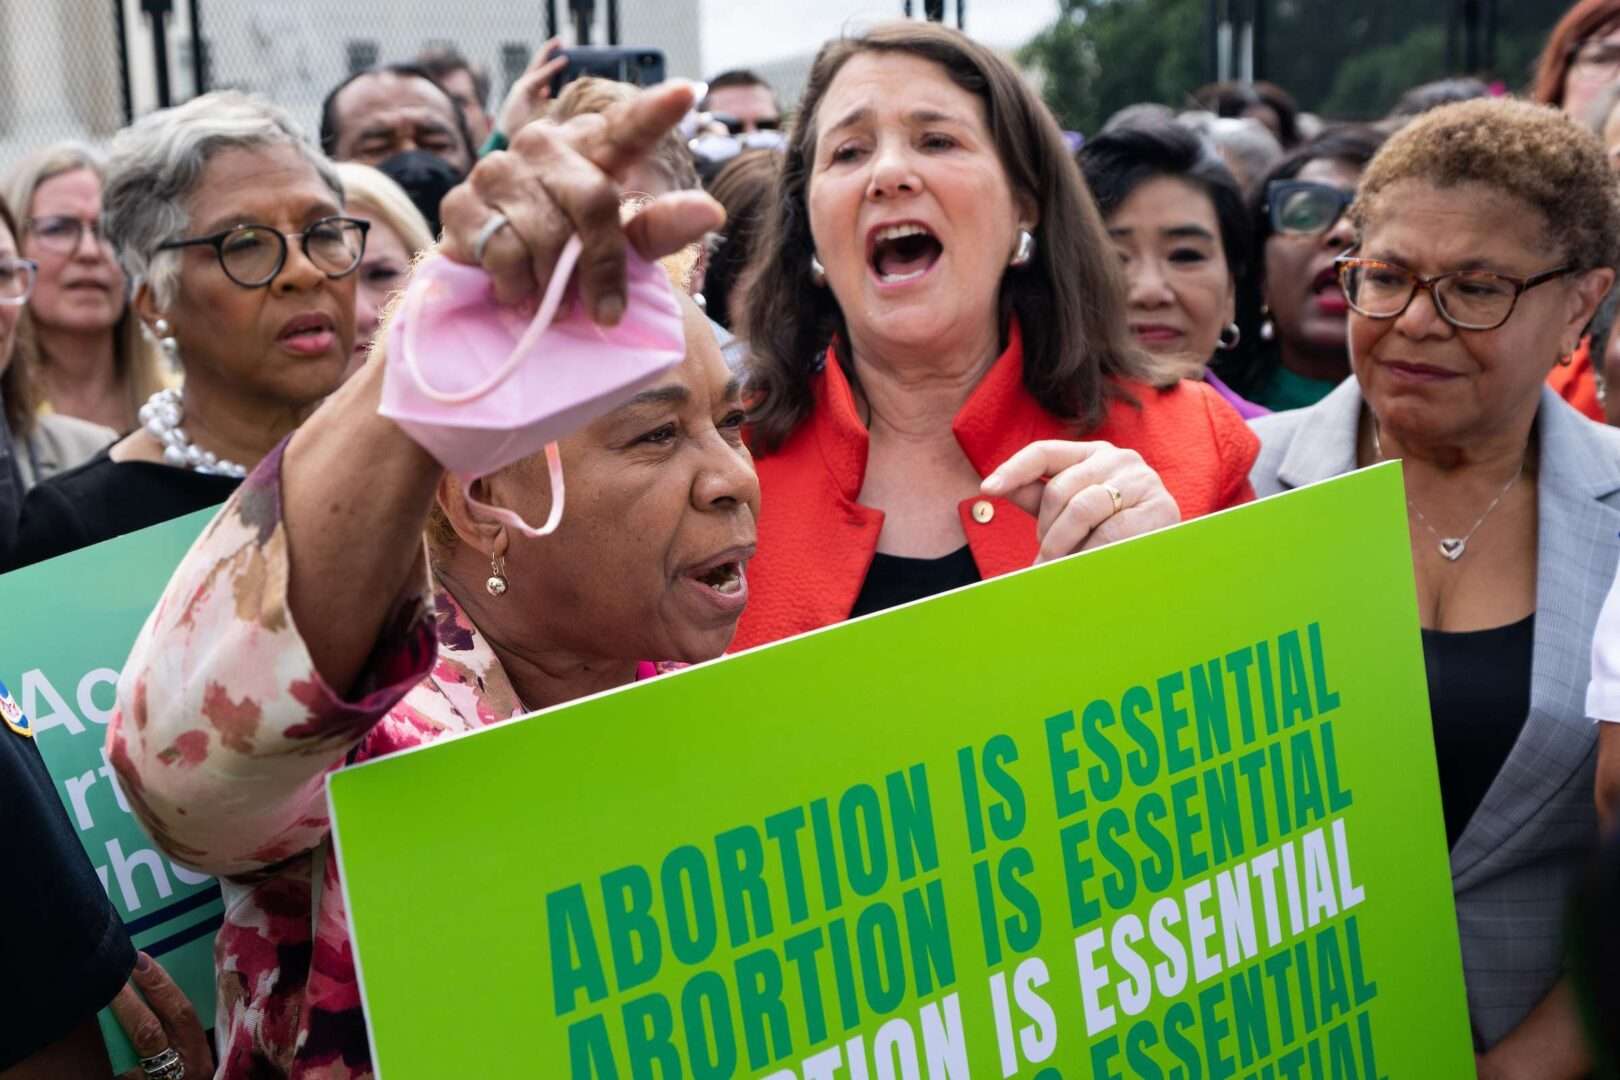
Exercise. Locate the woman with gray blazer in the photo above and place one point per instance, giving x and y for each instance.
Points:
(1487, 234)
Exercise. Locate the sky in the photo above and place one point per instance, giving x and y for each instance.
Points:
(737, 33)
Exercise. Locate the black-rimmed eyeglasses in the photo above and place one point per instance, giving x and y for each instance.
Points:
(252, 255)
(1467, 299)
(1305, 207)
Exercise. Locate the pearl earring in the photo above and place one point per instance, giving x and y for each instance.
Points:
(1268, 329)
(166, 342)
(818, 273)
(497, 576)
(1025, 252)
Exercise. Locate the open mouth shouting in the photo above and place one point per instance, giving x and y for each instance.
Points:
(901, 253)
(1327, 294)
(722, 581)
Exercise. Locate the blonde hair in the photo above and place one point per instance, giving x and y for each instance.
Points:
(135, 360)
(388, 203)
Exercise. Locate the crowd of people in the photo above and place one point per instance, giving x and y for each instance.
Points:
(930, 338)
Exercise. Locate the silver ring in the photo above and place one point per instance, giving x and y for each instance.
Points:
(165, 1065)
(487, 233)
(1113, 493)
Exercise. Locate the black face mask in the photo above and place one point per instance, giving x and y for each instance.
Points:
(427, 179)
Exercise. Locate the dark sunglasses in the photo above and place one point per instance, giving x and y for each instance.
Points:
(713, 151)
(736, 126)
(1304, 207)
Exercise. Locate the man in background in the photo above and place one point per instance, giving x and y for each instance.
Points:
(466, 82)
(398, 109)
(743, 101)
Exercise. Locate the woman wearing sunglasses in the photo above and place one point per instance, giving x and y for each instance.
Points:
(233, 228)
(35, 445)
(1290, 311)
(1486, 234)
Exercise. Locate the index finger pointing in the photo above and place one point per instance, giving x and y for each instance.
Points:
(634, 127)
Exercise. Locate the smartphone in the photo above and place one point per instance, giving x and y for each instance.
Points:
(637, 65)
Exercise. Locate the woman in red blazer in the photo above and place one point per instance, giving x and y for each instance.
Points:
(944, 383)
(947, 389)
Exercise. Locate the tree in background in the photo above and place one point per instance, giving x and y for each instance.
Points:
(1101, 55)
(1343, 60)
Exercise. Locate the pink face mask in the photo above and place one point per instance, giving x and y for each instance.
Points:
(480, 385)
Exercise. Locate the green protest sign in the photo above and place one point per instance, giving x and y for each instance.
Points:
(1169, 809)
(69, 628)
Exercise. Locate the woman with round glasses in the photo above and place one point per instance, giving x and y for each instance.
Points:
(232, 226)
(84, 349)
(36, 445)
(1486, 235)
(1290, 312)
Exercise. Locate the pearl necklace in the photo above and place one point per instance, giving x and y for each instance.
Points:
(161, 416)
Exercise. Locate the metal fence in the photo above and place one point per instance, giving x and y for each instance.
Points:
(81, 68)
(61, 72)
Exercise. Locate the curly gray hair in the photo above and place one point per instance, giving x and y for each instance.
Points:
(156, 163)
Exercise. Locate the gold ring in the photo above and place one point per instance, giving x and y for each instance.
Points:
(1113, 493)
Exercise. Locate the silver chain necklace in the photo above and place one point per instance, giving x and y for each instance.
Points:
(1453, 547)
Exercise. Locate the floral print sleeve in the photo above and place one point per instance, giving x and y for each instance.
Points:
(224, 730)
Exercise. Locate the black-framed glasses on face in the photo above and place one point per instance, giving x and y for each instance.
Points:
(17, 277)
(252, 255)
(1305, 207)
(1467, 299)
(62, 233)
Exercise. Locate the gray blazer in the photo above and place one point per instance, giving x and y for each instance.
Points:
(1518, 858)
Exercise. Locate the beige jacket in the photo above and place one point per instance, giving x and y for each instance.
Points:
(57, 444)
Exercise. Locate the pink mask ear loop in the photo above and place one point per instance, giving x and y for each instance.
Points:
(415, 297)
(553, 519)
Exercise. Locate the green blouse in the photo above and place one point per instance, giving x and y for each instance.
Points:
(1283, 390)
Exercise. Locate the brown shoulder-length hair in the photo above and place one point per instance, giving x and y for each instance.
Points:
(1069, 301)
(1586, 18)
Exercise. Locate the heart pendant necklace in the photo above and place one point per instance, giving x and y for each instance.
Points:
(1452, 548)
